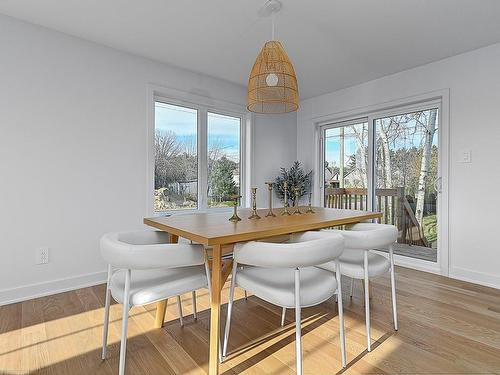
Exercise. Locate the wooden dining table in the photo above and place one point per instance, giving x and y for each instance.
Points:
(213, 229)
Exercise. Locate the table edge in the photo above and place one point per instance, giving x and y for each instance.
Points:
(234, 238)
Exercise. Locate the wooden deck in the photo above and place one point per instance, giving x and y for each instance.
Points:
(446, 327)
(415, 251)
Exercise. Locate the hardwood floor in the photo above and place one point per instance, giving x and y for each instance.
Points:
(446, 327)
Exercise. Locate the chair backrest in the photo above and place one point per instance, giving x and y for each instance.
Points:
(148, 250)
(289, 255)
(367, 236)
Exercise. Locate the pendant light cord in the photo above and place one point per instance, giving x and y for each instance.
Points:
(273, 16)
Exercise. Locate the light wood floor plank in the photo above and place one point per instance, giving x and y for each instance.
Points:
(446, 327)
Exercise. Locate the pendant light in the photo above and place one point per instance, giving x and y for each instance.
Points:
(272, 85)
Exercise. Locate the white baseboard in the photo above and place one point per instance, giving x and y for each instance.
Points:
(475, 277)
(26, 292)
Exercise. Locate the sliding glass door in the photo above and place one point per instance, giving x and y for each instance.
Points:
(390, 162)
(406, 167)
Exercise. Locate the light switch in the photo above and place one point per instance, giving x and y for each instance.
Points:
(465, 156)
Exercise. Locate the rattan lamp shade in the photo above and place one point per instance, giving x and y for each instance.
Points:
(272, 85)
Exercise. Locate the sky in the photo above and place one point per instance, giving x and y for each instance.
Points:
(332, 144)
(223, 131)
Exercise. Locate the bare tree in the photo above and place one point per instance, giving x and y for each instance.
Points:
(166, 148)
(361, 140)
(429, 126)
(384, 129)
(166, 145)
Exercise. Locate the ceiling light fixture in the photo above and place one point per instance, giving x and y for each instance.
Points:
(272, 85)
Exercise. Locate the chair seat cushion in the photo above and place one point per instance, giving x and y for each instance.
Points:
(147, 286)
(352, 264)
(277, 285)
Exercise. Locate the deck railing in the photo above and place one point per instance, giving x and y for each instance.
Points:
(391, 202)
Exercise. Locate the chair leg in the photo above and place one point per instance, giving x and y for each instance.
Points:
(352, 287)
(126, 308)
(246, 295)
(283, 315)
(298, 333)
(393, 287)
(179, 305)
(106, 316)
(367, 301)
(341, 314)
(195, 313)
(229, 310)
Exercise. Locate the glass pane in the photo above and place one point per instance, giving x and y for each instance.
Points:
(346, 164)
(223, 159)
(407, 170)
(176, 164)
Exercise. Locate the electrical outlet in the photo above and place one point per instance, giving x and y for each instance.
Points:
(42, 255)
(466, 156)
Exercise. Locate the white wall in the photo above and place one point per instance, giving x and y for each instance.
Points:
(274, 147)
(473, 80)
(73, 121)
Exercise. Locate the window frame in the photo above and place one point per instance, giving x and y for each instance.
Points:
(203, 105)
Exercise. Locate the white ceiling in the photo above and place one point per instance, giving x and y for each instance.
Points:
(332, 43)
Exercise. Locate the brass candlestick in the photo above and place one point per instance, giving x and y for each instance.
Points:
(270, 188)
(297, 192)
(309, 208)
(254, 214)
(235, 218)
(285, 200)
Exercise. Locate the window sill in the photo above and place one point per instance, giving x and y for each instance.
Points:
(193, 211)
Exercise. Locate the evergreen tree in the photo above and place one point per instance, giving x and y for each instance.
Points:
(222, 182)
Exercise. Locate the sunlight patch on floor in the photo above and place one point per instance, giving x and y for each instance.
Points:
(47, 343)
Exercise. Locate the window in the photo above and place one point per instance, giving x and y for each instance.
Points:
(176, 159)
(197, 157)
(223, 159)
(407, 159)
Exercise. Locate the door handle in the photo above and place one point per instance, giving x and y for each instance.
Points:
(438, 185)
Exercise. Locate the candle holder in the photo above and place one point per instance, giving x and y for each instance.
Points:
(270, 213)
(297, 192)
(254, 214)
(285, 200)
(309, 207)
(235, 218)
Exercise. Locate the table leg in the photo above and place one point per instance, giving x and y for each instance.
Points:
(161, 307)
(213, 364)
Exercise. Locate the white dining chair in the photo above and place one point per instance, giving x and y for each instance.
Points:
(359, 261)
(144, 268)
(284, 275)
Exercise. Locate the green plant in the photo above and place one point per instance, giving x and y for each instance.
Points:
(430, 228)
(295, 177)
